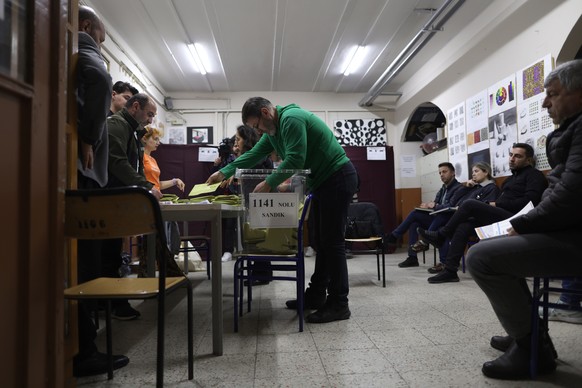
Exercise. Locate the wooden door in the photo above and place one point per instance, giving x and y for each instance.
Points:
(33, 85)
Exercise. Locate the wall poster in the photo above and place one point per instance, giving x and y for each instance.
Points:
(502, 104)
(199, 135)
(534, 124)
(457, 141)
(360, 132)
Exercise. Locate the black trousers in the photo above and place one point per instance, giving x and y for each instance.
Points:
(461, 226)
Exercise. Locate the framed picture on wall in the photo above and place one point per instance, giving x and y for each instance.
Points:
(199, 135)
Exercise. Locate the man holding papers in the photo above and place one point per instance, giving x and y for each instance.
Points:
(524, 185)
(421, 217)
(543, 242)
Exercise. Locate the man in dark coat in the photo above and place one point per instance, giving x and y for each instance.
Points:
(543, 242)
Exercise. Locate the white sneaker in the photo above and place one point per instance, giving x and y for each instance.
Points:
(226, 256)
(569, 316)
(309, 252)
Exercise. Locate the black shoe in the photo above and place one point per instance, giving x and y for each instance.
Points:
(310, 301)
(96, 364)
(504, 342)
(445, 276)
(514, 364)
(437, 268)
(125, 312)
(431, 236)
(500, 342)
(257, 282)
(409, 262)
(329, 313)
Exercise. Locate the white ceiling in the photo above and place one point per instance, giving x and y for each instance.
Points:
(276, 45)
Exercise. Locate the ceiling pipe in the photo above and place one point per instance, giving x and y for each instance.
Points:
(411, 49)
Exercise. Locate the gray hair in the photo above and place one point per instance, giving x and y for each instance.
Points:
(569, 74)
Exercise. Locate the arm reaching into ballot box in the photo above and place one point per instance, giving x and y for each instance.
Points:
(262, 187)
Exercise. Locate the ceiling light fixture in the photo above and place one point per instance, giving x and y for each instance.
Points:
(356, 58)
(196, 50)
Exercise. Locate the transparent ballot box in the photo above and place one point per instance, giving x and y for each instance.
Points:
(270, 220)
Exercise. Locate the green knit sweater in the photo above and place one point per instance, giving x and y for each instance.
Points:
(303, 141)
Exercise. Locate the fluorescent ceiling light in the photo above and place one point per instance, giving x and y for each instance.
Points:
(198, 54)
(356, 58)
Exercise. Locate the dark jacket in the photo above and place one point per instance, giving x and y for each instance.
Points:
(93, 100)
(526, 184)
(125, 157)
(559, 208)
(486, 193)
(444, 195)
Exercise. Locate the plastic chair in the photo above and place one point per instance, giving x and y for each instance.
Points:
(540, 297)
(115, 213)
(244, 268)
(366, 228)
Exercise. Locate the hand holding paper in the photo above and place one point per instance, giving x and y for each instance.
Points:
(203, 188)
(500, 228)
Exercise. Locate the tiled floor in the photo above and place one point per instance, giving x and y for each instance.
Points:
(409, 334)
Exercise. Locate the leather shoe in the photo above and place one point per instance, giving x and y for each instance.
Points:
(514, 364)
(445, 276)
(409, 262)
(329, 313)
(437, 268)
(419, 246)
(503, 343)
(431, 236)
(96, 364)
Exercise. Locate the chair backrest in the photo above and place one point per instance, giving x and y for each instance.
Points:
(112, 213)
(302, 219)
(364, 220)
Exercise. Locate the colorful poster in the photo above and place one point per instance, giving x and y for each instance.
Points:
(533, 121)
(457, 142)
(477, 126)
(501, 96)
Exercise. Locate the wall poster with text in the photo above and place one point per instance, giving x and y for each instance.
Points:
(457, 142)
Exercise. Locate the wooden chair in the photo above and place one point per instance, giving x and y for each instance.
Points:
(245, 265)
(116, 213)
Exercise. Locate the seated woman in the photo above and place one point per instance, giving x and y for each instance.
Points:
(151, 141)
(481, 187)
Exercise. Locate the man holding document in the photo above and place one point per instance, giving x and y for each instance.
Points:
(526, 184)
(543, 242)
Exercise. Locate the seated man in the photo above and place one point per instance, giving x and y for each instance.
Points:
(480, 187)
(524, 185)
(543, 242)
(422, 218)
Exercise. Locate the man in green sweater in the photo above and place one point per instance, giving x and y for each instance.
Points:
(304, 141)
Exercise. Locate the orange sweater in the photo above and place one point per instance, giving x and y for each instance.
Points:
(151, 170)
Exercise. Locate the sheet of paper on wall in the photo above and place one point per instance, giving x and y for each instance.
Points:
(203, 188)
(207, 154)
(408, 166)
(500, 228)
(376, 153)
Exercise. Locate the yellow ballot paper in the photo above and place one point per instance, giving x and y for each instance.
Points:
(203, 188)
